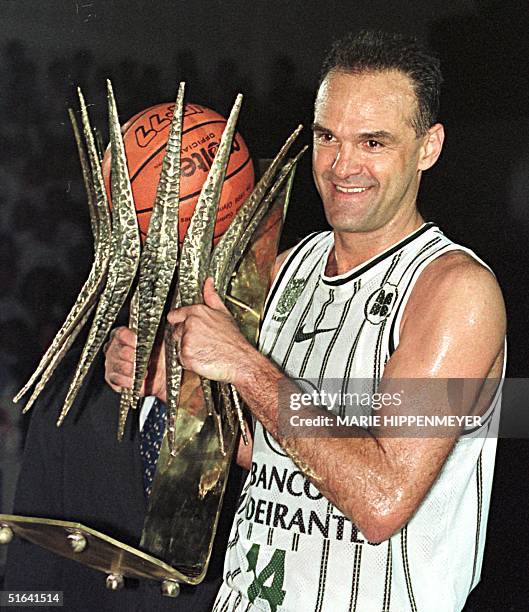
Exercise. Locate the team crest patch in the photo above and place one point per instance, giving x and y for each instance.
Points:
(380, 303)
(288, 298)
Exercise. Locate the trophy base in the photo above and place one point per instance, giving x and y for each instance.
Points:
(96, 550)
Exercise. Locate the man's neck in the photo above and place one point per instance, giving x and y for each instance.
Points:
(354, 248)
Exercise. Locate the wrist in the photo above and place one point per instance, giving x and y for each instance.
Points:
(254, 370)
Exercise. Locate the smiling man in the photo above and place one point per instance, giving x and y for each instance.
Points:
(376, 520)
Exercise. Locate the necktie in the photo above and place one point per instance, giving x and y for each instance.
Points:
(150, 441)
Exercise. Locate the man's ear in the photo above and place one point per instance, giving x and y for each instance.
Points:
(432, 146)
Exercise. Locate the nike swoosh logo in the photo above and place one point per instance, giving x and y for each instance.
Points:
(301, 335)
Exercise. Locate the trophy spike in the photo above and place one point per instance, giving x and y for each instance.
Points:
(240, 416)
(56, 359)
(86, 300)
(125, 254)
(173, 377)
(101, 201)
(87, 178)
(126, 400)
(244, 240)
(237, 253)
(223, 252)
(195, 256)
(159, 258)
(223, 263)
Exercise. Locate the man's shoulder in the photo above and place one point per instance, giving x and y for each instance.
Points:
(456, 270)
(457, 285)
(280, 260)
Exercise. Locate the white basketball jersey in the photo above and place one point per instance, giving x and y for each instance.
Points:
(290, 549)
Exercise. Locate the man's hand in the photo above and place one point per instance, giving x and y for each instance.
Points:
(208, 339)
(119, 364)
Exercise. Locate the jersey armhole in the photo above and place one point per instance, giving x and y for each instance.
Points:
(282, 271)
(486, 417)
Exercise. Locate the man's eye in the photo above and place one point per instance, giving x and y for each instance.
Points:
(324, 137)
(373, 144)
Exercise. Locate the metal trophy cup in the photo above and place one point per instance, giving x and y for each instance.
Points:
(204, 418)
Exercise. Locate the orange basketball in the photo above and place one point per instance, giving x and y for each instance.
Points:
(145, 138)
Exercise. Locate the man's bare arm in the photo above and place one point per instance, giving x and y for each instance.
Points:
(453, 327)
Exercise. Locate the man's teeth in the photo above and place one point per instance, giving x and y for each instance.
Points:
(350, 189)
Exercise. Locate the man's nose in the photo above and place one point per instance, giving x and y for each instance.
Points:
(347, 162)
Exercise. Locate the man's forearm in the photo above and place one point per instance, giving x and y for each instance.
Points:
(354, 473)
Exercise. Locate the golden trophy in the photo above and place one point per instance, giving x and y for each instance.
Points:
(204, 418)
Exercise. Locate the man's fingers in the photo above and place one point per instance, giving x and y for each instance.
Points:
(179, 315)
(116, 353)
(119, 381)
(124, 336)
(127, 354)
(119, 358)
(124, 367)
(211, 297)
(120, 337)
(120, 372)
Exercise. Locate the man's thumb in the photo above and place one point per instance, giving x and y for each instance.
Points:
(211, 297)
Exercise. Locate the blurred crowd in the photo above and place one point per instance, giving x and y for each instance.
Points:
(45, 248)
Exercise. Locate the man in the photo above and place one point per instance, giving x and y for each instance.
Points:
(365, 522)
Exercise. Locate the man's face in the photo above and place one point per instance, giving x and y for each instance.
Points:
(367, 158)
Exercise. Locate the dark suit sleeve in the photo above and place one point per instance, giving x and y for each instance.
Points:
(39, 493)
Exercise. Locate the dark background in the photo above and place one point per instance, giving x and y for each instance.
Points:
(271, 51)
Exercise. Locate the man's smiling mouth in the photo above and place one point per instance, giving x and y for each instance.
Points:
(350, 189)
